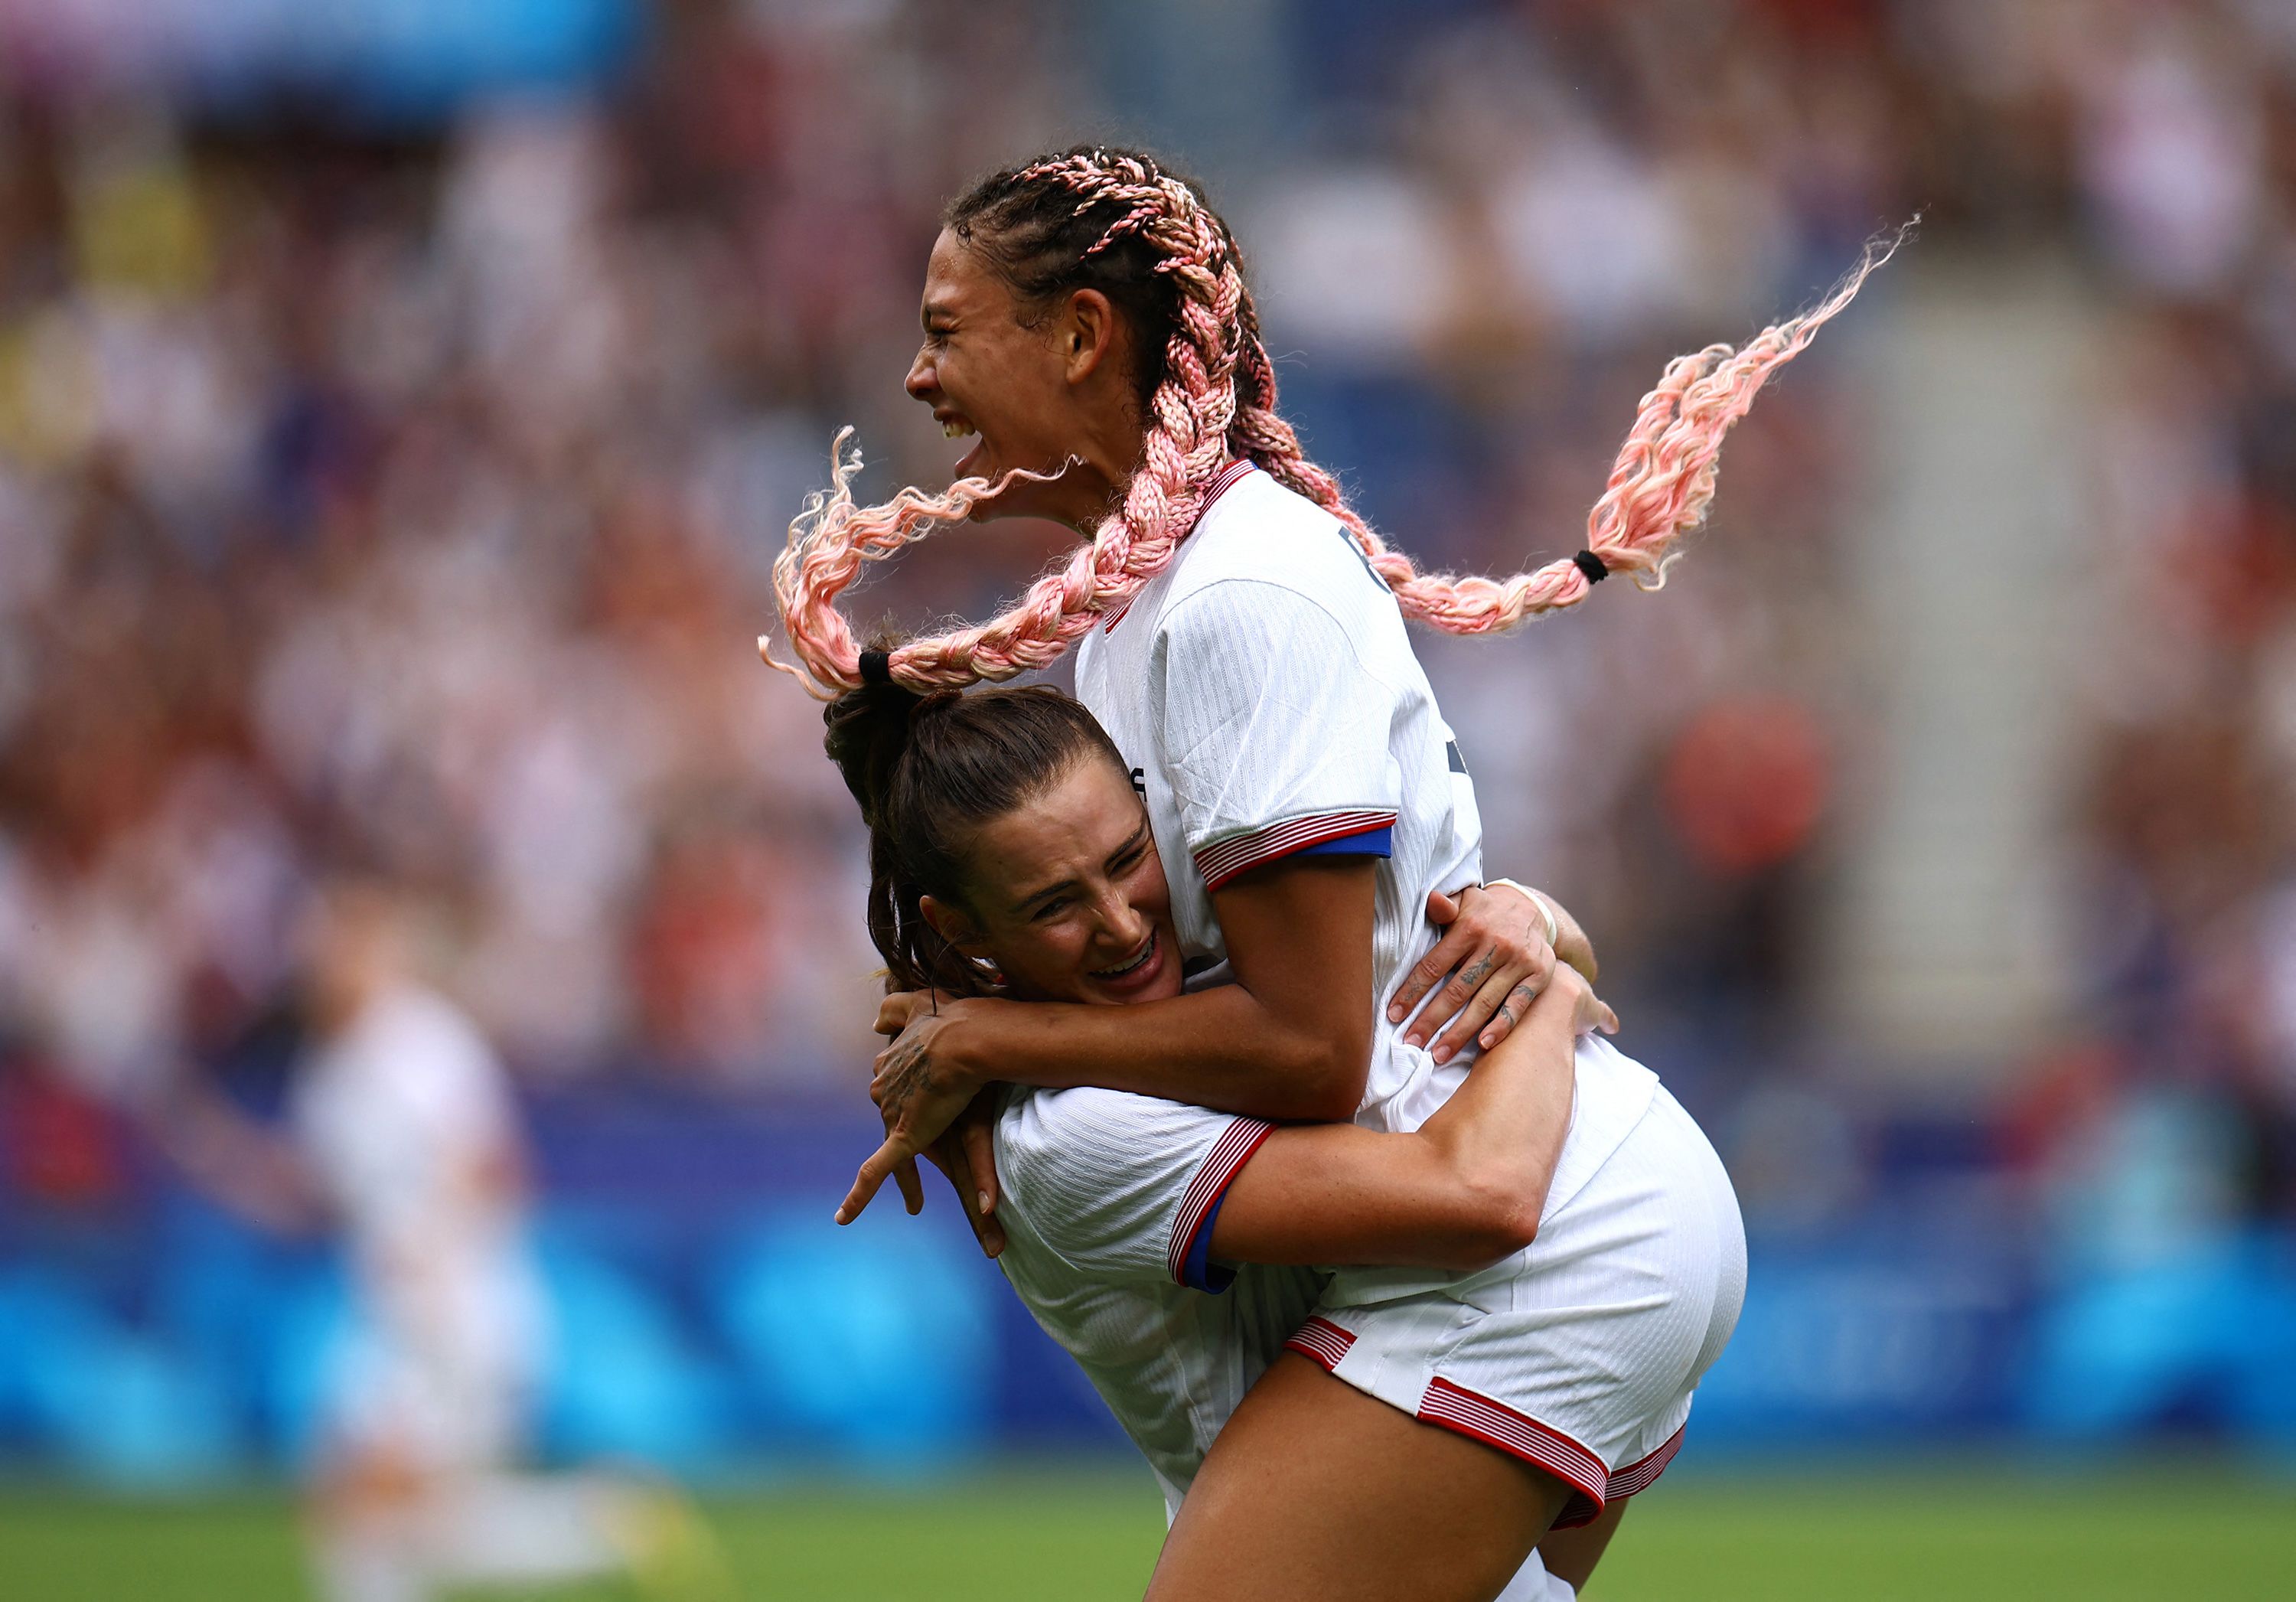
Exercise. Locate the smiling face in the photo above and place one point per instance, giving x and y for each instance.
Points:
(1029, 394)
(1066, 895)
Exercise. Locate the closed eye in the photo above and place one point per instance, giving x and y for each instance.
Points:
(1132, 852)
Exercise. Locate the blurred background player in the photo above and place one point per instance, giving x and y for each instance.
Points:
(401, 1133)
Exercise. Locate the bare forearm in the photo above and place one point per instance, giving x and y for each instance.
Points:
(1291, 1039)
(1502, 1130)
(1463, 1191)
(1221, 1048)
(1336, 1195)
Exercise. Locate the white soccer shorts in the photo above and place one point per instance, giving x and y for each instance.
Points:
(1580, 1353)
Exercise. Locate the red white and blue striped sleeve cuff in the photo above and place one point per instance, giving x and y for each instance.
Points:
(1189, 1253)
(1224, 859)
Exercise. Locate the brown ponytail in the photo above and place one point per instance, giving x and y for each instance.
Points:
(928, 771)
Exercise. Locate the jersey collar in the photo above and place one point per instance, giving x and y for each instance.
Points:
(1227, 480)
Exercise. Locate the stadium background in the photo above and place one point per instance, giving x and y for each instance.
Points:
(400, 404)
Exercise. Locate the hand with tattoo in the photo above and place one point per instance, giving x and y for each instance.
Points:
(1495, 950)
(922, 1085)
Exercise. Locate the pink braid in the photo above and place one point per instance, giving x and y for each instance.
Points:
(1658, 488)
(828, 543)
(1184, 448)
(1218, 402)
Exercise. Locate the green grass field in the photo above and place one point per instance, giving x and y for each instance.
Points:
(2150, 1536)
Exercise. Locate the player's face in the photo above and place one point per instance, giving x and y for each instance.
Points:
(1067, 896)
(999, 389)
(350, 950)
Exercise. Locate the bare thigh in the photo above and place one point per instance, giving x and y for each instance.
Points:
(1572, 1555)
(1318, 1492)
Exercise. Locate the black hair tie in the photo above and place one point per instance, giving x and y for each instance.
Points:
(1592, 566)
(877, 667)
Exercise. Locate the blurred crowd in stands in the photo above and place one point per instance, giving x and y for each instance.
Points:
(399, 499)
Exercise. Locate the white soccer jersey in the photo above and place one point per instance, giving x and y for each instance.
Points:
(1108, 1205)
(399, 1118)
(395, 1115)
(1265, 693)
(1107, 1199)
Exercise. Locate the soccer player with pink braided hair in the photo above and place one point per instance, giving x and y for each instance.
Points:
(1240, 636)
(1209, 400)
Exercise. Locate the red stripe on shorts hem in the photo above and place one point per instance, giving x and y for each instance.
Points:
(1637, 1475)
(1321, 1340)
(1644, 1472)
(1541, 1445)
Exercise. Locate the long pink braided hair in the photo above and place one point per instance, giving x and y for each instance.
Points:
(1117, 221)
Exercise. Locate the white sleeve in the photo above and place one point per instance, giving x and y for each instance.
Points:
(1123, 1186)
(1273, 735)
(449, 1080)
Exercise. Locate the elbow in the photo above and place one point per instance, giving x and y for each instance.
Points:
(1314, 1076)
(1333, 1079)
(1494, 1220)
(1502, 1237)
(1333, 1102)
(1517, 1227)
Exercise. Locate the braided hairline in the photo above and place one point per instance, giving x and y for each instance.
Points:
(1659, 488)
(1256, 433)
(1186, 445)
(832, 536)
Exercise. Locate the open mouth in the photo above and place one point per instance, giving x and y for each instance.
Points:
(956, 425)
(1126, 970)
